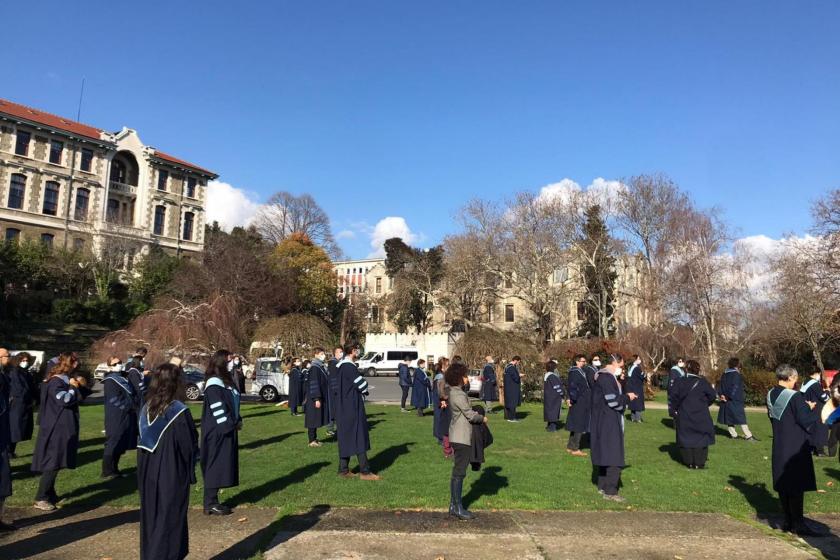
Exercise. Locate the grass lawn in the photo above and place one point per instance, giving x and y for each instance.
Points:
(527, 468)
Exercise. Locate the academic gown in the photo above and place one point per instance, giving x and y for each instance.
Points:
(513, 391)
(5, 439)
(607, 424)
(58, 425)
(553, 393)
(219, 436)
(420, 389)
(318, 390)
(731, 412)
(793, 466)
(489, 385)
(22, 395)
(813, 392)
(295, 388)
(636, 384)
(674, 374)
(353, 436)
(580, 398)
(692, 397)
(440, 426)
(332, 371)
(120, 414)
(138, 383)
(165, 471)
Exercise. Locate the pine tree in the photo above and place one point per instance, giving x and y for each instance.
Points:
(599, 276)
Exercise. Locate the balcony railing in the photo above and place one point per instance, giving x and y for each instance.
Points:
(123, 188)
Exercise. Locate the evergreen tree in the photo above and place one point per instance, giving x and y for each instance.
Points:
(599, 276)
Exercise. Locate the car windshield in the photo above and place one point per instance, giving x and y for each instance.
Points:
(368, 356)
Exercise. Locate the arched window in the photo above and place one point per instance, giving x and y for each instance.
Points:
(189, 218)
(82, 202)
(17, 190)
(160, 219)
(50, 198)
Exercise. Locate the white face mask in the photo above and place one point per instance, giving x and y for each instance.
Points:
(230, 366)
(24, 365)
(321, 357)
(117, 367)
(638, 362)
(236, 362)
(596, 363)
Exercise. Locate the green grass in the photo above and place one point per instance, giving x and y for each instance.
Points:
(527, 468)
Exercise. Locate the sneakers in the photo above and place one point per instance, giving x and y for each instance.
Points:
(370, 476)
(315, 443)
(44, 505)
(347, 474)
(403, 410)
(615, 498)
(513, 421)
(577, 453)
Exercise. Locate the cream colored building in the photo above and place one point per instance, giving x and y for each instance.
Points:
(71, 185)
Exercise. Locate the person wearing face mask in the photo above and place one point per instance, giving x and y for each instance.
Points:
(22, 396)
(317, 407)
(295, 387)
(421, 388)
(238, 374)
(580, 401)
(636, 384)
(693, 396)
(489, 384)
(353, 430)
(553, 393)
(120, 418)
(607, 425)
(732, 401)
(677, 372)
(513, 388)
(332, 368)
(136, 372)
(5, 440)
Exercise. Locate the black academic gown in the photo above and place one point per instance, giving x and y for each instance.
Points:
(513, 391)
(440, 426)
(814, 393)
(580, 398)
(219, 438)
(318, 390)
(58, 425)
(332, 374)
(793, 466)
(138, 383)
(120, 414)
(421, 388)
(490, 386)
(5, 438)
(22, 395)
(607, 424)
(732, 412)
(636, 384)
(164, 477)
(674, 374)
(692, 396)
(353, 436)
(553, 393)
(295, 389)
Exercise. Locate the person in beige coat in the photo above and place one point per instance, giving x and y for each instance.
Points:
(460, 434)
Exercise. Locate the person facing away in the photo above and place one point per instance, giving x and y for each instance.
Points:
(167, 453)
(832, 421)
(22, 397)
(5, 440)
(607, 427)
(732, 398)
(636, 384)
(489, 384)
(440, 399)
(353, 434)
(792, 420)
(513, 390)
(121, 409)
(580, 402)
(295, 386)
(332, 368)
(421, 388)
(460, 434)
(677, 371)
(692, 397)
(404, 378)
(238, 373)
(553, 393)
(317, 409)
(813, 390)
(136, 373)
(220, 425)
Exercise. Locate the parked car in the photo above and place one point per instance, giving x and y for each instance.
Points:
(475, 382)
(270, 382)
(194, 382)
(385, 362)
(101, 371)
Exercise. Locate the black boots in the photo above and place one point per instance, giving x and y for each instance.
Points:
(456, 507)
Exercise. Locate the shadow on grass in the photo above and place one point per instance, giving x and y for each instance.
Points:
(835, 473)
(97, 441)
(722, 432)
(673, 451)
(261, 413)
(257, 493)
(488, 484)
(267, 441)
(373, 423)
(389, 456)
(668, 422)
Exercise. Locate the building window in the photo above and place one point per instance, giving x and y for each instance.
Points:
(188, 225)
(581, 311)
(12, 234)
(378, 284)
(17, 189)
(489, 313)
(78, 244)
(82, 201)
(22, 143)
(50, 198)
(508, 282)
(509, 313)
(160, 219)
(163, 176)
(191, 187)
(56, 149)
(112, 210)
(47, 239)
(561, 275)
(87, 159)
(374, 314)
(390, 283)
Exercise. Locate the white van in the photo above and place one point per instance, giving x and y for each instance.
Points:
(385, 362)
(270, 383)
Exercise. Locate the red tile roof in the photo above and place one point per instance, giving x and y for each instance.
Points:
(173, 159)
(48, 119)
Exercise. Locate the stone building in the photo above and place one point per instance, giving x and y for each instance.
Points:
(71, 185)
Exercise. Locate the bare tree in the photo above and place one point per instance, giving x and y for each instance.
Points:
(468, 289)
(285, 214)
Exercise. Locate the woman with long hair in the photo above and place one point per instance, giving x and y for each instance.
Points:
(220, 424)
(440, 398)
(121, 406)
(166, 457)
(635, 383)
(58, 433)
(691, 397)
(420, 388)
(22, 396)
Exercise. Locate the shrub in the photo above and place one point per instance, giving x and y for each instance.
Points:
(69, 311)
(297, 333)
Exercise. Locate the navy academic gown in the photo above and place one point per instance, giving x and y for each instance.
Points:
(166, 459)
(490, 386)
(553, 393)
(673, 375)
(120, 414)
(58, 425)
(22, 395)
(813, 392)
(318, 390)
(731, 412)
(138, 383)
(636, 384)
(295, 389)
(692, 396)
(581, 401)
(440, 426)
(332, 369)
(5, 439)
(219, 436)
(513, 391)
(353, 437)
(793, 466)
(607, 425)
(420, 389)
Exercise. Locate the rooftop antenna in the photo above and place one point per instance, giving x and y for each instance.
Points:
(81, 95)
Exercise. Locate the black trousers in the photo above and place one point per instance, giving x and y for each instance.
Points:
(694, 456)
(313, 434)
(211, 497)
(574, 441)
(110, 462)
(46, 487)
(344, 464)
(608, 479)
(420, 411)
(12, 447)
(793, 506)
(461, 460)
(833, 439)
(404, 396)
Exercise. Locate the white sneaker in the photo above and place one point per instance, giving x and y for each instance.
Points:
(44, 505)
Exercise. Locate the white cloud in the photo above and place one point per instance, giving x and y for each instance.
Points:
(600, 191)
(386, 228)
(345, 234)
(759, 251)
(229, 205)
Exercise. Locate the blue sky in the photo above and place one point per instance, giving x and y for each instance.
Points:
(409, 109)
